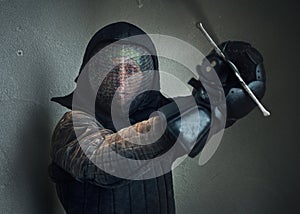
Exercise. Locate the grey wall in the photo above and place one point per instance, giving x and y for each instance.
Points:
(256, 169)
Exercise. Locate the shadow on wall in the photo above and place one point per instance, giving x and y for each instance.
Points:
(37, 192)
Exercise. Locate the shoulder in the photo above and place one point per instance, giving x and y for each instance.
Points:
(76, 117)
(72, 120)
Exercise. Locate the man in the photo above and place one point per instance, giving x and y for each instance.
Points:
(112, 124)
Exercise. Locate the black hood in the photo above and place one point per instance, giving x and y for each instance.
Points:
(107, 35)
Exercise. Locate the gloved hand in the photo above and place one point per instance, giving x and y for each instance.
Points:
(250, 65)
(188, 123)
(185, 126)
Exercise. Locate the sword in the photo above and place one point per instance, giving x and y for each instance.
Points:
(265, 112)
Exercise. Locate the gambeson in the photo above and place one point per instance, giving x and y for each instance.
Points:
(84, 187)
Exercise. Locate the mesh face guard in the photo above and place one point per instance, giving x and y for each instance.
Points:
(125, 71)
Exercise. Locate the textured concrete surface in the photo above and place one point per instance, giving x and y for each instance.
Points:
(257, 166)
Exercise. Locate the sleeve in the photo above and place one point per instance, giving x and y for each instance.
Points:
(80, 144)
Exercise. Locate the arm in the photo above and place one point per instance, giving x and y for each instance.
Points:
(102, 146)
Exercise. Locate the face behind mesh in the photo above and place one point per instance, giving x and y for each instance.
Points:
(123, 71)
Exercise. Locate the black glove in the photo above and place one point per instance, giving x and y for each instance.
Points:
(250, 65)
(193, 134)
(190, 125)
